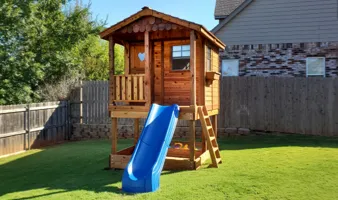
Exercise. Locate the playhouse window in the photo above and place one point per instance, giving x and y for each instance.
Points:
(181, 57)
(315, 66)
(208, 59)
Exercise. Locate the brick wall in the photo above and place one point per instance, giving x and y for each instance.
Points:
(287, 59)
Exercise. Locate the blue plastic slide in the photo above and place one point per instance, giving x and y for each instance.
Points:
(143, 171)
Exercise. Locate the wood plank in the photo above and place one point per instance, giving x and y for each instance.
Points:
(129, 88)
(192, 138)
(136, 130)
(193, 67)
(117, 88)
(123, 88)
(135, 88)
(147, 77)
(111, 69)
(114, 135)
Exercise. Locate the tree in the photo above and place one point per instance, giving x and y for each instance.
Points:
(95, 58)
(37, 41)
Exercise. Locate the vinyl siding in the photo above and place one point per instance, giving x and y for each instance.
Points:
(283, 21)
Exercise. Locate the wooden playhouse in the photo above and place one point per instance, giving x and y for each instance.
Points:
(167, 61)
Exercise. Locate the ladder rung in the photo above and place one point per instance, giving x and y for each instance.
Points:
(215, 149)
(219, 160)
(209, 127)
(212, 138)
(206, 117)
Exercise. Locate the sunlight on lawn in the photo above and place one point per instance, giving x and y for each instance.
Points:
(254, 167)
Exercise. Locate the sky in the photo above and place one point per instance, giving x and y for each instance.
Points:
(198, 11)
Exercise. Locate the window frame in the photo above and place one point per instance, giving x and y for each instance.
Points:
(314, 75)
(181, 57)
(238, 63)
(208, 59)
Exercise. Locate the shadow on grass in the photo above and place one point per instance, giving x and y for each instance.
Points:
(80, 165)
(60, 169)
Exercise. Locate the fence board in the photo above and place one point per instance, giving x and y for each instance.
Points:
(46, 126)
(291, 105)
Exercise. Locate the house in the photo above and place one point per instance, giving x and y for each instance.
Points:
(289, 38)
(168, 60)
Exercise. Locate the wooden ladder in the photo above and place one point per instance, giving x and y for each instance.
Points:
(209, 134)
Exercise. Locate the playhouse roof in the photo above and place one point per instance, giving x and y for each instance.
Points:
(146, 11)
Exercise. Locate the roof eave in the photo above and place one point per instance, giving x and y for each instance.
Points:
(149, 12)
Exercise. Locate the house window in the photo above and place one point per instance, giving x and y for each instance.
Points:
(230, 67)
(181, 57)
(315, 66)
(208, 59)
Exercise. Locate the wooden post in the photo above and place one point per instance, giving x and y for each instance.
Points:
(126, 58)
(28, 126)
(147, 78)
(193, 66)
(162, 72)
(114, 136)
(192, 145)
(214, 124)
(111, 70)
(136, 130)
(81, 103)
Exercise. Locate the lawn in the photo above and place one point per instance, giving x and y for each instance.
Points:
(254, 167)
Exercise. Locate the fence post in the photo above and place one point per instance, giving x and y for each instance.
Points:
(81, 103)
(28, 126)
(69, 118)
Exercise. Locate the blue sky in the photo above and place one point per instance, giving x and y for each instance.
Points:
(199, 11)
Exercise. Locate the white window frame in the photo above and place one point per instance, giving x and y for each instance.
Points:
(223, 72)
(307, 66)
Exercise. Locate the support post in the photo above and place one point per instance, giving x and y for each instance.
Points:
(193, 66)
(111, 70)
(192, 142)
(147, 78)
(136, 130)
(126, 58)
(114, 136)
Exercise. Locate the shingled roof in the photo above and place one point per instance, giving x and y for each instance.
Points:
(226, 7)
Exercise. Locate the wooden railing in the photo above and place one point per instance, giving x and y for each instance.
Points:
(129, 88)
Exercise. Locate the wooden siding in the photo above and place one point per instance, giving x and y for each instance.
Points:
(212, 91)
(176, 85)
(284, 21)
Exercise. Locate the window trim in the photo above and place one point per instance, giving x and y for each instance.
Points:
(238, 61)
(307, 67)
(206, 59)
(184, 57)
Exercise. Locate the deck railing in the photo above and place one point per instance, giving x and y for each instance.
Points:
(129, 88)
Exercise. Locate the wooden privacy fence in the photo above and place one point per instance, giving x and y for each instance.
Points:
(291, 105)
(33, 125)
(94, 98)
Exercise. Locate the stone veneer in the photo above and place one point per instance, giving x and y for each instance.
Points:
(287, 59)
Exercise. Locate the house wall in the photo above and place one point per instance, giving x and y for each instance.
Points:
(287, 60)
(283, 21)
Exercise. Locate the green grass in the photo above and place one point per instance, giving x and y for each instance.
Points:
(254, 167)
